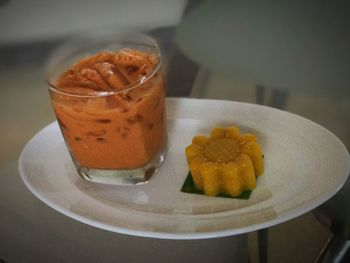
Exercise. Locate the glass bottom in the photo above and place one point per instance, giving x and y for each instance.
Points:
(135, 176)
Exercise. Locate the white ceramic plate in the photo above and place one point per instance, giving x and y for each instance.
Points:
(304, 166)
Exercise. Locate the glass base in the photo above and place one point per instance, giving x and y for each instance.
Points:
(135, 176)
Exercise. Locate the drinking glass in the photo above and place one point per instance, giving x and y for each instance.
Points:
(114, 136)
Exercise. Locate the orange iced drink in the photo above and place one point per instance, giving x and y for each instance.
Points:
(111, 110)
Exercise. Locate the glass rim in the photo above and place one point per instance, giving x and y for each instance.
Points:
(139, 82)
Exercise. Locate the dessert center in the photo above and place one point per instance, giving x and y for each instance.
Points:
(222, 150)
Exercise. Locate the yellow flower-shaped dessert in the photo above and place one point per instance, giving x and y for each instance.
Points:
(225, 162)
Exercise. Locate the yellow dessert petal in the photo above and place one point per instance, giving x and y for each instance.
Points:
(247, 137)
(232, 184)
(195, 168)
(217, 133)
(211, 183)
(200, 140)
(246, 170)
(232, 133)
(253, 150)
(193, 151)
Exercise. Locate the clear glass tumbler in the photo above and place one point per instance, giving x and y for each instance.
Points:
(107, 91)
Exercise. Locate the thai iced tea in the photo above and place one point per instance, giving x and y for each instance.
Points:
(111, 110)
